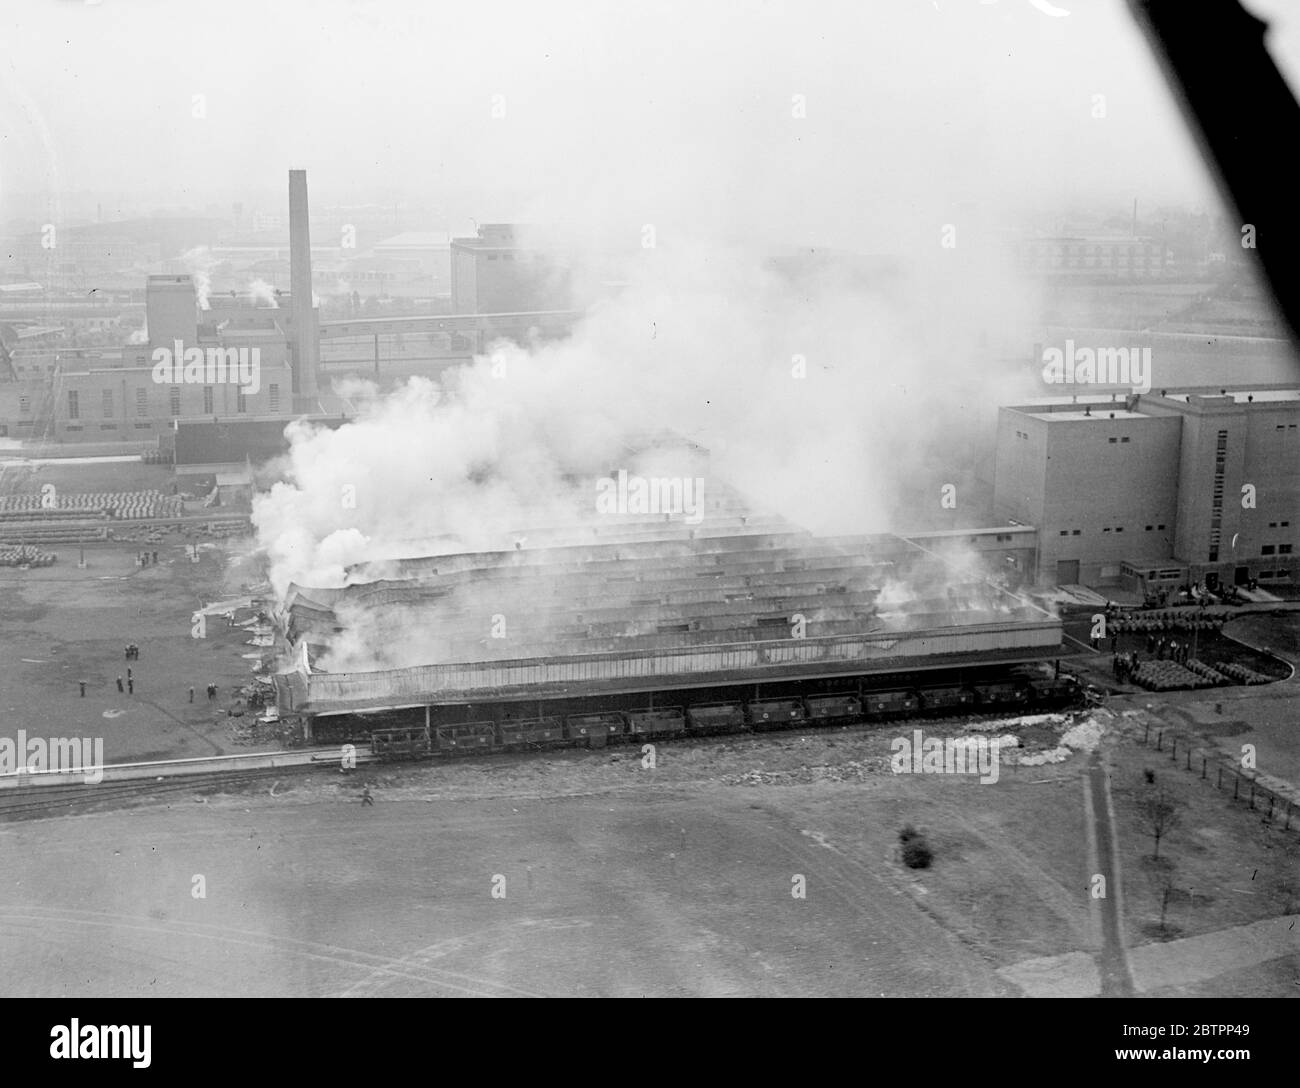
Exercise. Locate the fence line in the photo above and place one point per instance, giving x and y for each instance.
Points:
(1163, 738)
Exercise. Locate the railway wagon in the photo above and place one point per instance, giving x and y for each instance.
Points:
(1057, 692)
(596, 730)
(531, 732)
(833, 707)
(466, 737)
(400, 743)
(774, 713)
(891, 704)
(1007, 693)
(667, 722)
(716, 718)
(947, 699)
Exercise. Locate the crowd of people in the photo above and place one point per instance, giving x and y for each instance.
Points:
(127, 687)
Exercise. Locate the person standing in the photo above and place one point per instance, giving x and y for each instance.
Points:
(191, 694)
(83, 688)
(366, 798)
(120, 688)
(130, 686)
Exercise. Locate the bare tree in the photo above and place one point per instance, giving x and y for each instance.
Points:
(1166, 892)
(1160, 811)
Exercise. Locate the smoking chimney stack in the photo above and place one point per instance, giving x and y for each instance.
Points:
(306, 345)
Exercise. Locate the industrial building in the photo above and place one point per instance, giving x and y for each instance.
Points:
(497, 272)
(609, 612)
(118, 395)
(1093, 257)
(1152, 491)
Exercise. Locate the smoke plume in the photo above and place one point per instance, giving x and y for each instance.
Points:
(841, 404)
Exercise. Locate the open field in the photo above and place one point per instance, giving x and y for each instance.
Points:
(617, 879)
(625, 880)
(61, 624)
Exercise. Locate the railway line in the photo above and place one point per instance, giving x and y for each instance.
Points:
(597, 730)
(701, 723)
(37, 801)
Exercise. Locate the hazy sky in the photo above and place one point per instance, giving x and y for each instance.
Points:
(615, 114)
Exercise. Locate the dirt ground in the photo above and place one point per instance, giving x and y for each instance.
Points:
(616, 879)
(61, 624)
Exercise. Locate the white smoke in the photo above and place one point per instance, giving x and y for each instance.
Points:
(198, 262)
(841, 407)
(264, 293)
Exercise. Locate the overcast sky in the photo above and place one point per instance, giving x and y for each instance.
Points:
(615, 114)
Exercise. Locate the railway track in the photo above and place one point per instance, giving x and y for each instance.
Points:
(34, 802)
(412, 745)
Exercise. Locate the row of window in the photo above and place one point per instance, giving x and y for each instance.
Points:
(1282, 549)
(142, 401)
(1112, 441)
(1119, 529)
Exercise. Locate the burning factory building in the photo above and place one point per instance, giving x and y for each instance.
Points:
(636, 607)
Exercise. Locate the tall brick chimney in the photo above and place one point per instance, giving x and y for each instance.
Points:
(306, 346)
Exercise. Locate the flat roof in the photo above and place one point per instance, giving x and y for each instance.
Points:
(1109, 416)
(1241, 396)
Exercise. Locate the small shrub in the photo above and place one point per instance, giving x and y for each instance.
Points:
(917, 853)
(915, 850)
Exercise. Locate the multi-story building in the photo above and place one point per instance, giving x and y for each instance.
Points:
(121, 394)
(1156, 488)
(1106, 256)
(496, 273)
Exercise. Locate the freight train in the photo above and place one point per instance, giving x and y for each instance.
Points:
(596, 730)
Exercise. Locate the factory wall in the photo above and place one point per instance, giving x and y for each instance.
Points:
(1099, 490)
